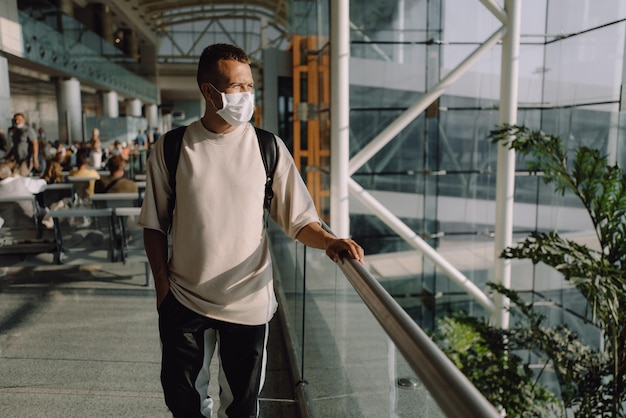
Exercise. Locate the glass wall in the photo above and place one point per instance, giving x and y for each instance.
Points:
(348, 365)
(571, 71)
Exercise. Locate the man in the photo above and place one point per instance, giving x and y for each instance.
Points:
(25, 145)
(95, 151)
(156, 134)
(141, 139)
(116, 182)
(217, 286)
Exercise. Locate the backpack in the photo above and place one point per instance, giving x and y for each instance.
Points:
(171, 150)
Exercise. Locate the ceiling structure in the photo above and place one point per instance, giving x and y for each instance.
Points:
(172, 34)
(179, 30)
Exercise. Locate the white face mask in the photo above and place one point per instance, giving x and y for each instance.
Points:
(237, 108)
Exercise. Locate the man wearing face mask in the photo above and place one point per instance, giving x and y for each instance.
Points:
(25, 145)
(215, 294)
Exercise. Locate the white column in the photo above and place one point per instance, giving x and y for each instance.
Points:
(152, 115)
(616, 147)
(69, 109)
(110, 104)
(5, 94)
(133, 107)
(505, 180)
(339, 116)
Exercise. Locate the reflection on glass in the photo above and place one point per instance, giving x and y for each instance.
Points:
(350, 365)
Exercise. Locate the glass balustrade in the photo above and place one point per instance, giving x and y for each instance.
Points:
(348, 364)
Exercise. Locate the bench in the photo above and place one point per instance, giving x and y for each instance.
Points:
(112, 200)
(57, 191)
(130, 232)
(21, 232)
(120, 232)
(89, 238)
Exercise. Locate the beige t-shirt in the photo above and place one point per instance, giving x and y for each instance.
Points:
(221, 265)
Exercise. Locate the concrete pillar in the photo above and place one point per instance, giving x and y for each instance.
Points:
(5, 95)
(152, 115)
(69, 108)
(110, 104)
(148, 61)
(131, 43)
(104, 22)
(133, 107)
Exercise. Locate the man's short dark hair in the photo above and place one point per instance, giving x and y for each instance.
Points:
(81, 158)
(116, 163)
(208, 71)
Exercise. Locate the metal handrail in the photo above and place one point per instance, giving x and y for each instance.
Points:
(454, 393)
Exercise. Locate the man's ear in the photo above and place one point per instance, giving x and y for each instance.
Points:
(211, 94)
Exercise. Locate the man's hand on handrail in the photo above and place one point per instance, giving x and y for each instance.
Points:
(313, 235)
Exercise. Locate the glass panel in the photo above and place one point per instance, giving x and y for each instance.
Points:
(481, 83)
(585, 68)
(456, 14)
(351, 367)
(572, 16)
(590, 126)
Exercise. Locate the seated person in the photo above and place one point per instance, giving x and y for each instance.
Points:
(11, 185)
(54, 170)
(84, 189)
(116, 182)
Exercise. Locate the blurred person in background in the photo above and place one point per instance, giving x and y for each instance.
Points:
(95, 154)
(54, 170)
(84, 189)
(13, 184)
(116, 182)
(25, 145)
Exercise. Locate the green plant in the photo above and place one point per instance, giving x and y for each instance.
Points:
(592, 381)
(483, 353)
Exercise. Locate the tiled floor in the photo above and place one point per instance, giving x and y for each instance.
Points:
(83, 342)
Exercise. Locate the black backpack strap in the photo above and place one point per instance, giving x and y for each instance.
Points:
(172, 144)
(269, 154)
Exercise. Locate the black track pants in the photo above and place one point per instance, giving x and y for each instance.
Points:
(188, 341)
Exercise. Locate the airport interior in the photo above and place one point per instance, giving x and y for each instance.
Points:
(391, 110)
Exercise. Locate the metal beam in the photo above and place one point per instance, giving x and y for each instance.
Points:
(505, 179)
(497, 11)
(340, 116)
(419, 244)
(416, 109)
